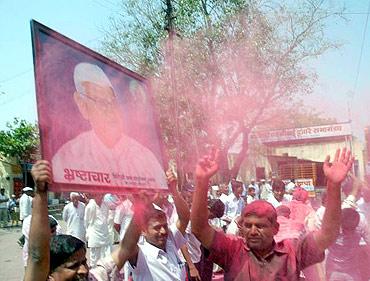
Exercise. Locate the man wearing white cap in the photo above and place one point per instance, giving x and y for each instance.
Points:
(25, 203)
(266, 190)
(73, 215)
(104, 155)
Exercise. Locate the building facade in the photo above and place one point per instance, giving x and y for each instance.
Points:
(298, 153)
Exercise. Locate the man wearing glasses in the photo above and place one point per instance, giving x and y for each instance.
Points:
(104, 155)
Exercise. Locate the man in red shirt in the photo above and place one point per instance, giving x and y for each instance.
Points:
(255, 255)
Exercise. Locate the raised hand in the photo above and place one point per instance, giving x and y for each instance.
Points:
(41, 173)
(207, 166)
(337, 171)
(171, 181)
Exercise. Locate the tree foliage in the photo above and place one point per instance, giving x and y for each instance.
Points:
(20, 140)
(233, 66)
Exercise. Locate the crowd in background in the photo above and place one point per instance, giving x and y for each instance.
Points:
(101, 220)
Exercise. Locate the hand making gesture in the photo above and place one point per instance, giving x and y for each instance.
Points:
(337, 171)
(171, 181)
(207, 166)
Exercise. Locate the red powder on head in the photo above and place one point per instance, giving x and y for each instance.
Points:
(261, 208)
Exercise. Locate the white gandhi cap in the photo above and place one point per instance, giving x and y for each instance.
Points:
(87, 72)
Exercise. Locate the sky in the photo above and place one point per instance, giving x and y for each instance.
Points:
(84, 20)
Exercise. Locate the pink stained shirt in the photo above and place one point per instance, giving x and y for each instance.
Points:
(284, 262)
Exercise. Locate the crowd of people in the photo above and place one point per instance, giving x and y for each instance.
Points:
(12, 210)
(266, 231)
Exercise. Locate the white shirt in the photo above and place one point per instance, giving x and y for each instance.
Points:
(233, 206)
(193, 245)
(250, 199)
(364, 208)
(319, 216)
(86, 160)
(96, 224)
(256, 190)
(25, 206)
(272, 200)
(290, 187)
(363, 226)
(123, 216)
(265, 191)
(223, 197)
(74, 217)
(154, 264)
(233, 228)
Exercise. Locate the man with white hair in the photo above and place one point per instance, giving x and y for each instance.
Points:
(104, 155)
(73, 215)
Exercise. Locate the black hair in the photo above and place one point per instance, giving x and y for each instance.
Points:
(350, 219)
(278, 185)
(52, 222)
(62, 247)
(151, 212)
(216, 207)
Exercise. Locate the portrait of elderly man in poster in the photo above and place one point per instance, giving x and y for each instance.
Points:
(97, 123)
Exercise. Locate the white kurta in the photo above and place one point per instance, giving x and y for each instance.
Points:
(123, 216)
(233, 206)
(86, 160)
(25, 206)
(74, 217)
(96, 224)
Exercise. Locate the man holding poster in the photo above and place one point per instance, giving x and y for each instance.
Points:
(104, 155)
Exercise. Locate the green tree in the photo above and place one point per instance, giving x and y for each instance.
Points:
(20, 140)
(237, 65)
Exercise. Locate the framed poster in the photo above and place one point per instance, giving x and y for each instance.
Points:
(97, 123)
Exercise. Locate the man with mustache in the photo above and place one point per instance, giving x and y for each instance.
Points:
(255, 255)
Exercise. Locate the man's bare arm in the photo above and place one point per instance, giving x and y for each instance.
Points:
(194, 273)
(128, 249)
(205, 169)
(39, 238)
(180, 204)
(335, 173)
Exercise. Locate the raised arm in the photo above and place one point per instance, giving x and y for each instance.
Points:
(335, 173)
(39, 238)
(128, 248)
(205, 169)
(351, 199)
(182, 208)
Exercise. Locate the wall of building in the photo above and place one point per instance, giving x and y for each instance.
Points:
(313, 151)
(9, 169)
(317, 151)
